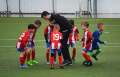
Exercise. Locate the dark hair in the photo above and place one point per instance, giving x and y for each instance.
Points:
(37, 22)
(31, 26)
(71, 22)
(44, 13)
(85, 23)
(100, 24)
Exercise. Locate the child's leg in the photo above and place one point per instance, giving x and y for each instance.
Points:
(28, 52)
(47, 54)
(22, 58)
(73, 53)
(33, 54)
(73, 45)
(97, 52)
(60, 57)
(52, 59)
(55, 53)
(86, 56)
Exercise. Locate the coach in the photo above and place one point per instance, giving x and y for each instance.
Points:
(65, 29)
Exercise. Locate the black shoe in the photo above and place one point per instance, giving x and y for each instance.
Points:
(64, 63)
(89, 63)
(95, 57)
(68, 63)
(85, 63)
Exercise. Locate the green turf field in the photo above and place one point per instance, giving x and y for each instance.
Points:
(108, 64)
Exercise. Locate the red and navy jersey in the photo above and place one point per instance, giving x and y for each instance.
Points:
(87, 39)
(47, 32)
(74, 34)
(55, 40)
(23, 39)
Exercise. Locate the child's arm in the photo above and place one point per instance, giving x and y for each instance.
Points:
(96, 37)
(46, 34)
(77, 35)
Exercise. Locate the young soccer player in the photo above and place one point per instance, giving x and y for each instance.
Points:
(96, 40)
(31, 45)
(86, 43)
(56, 37)
(47, 33)
(21, 45)
(73, 37)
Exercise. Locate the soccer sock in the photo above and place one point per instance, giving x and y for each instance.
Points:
(47, 55)
(28, 56)
(55, 55)
(74, 53)
(97, 52)
(60, 60)
(22, 60)
(52, 60)
(87, 57)
(33, 54)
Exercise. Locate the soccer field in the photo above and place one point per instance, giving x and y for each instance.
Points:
(108, 64)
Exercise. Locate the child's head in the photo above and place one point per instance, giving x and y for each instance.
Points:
(100, 26)
(31, 27)
(71, 22)
(85, 25)
(56, 28)
(37, 23)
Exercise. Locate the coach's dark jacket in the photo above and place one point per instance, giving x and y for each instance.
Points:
(61, 21)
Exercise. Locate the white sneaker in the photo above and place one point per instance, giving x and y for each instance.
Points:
(48, 63)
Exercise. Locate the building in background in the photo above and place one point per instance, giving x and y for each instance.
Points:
(69, 8)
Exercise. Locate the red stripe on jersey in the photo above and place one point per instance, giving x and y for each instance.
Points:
(87, 39)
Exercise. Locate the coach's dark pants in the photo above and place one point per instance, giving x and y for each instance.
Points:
(65, 47)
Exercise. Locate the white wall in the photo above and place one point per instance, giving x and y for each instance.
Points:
(109, 8)
(2, 5)
(106, 7)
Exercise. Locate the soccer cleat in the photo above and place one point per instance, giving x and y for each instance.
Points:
(23, 66)
(48, 63)
(89, 63)
(35, 62)
(29, 63)
(67, 63)
(85, 63)
(94, 57)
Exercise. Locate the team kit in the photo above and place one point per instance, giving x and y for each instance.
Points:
(54, 37)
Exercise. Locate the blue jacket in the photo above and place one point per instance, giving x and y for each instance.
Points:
(96, 39)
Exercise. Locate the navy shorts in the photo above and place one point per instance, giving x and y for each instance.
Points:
(20, 49)
(31, 44)
(48, 44)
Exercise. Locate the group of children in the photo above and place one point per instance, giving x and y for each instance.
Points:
(26, 45)
(53, 36)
